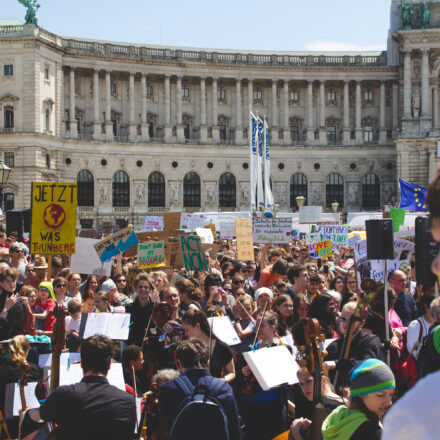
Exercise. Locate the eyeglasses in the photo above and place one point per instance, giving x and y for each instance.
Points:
(244, 270)
(60, 285)
(20, 251)
(238, 281)
(341, 319)
(351, 282)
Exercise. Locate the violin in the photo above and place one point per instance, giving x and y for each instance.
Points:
(24, 369)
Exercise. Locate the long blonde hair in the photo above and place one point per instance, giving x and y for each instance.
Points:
(18, 349)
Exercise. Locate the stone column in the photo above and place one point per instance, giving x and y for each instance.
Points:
(286, 128)
(73, 122)
(407, 80)
(346, 129)
(274, 130)
(145, 135)
(426, 113)
(132, 131)
(215, 129)
(358, 113)
(179, 126)
(395, 99)
(322, 132)
(382, 127)
(108, 108)
(203, 127)
(168, 129)
(96, 119)
(435, 123)
(310, 128)
(238, 113)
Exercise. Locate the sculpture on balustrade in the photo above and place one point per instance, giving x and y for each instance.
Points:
(210, 195)
(175, 194)
(425, 14)
(416, 104)
(31, 13)
(140, 193)
(406, 12)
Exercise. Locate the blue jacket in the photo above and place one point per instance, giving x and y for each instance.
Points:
(170, 396)
(406, 308)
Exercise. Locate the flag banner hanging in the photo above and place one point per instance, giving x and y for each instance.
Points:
(260, 191)
(253, 152)
(412, 196)
(268, 196)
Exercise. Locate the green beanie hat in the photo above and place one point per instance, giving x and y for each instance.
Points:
(47, 285)
(369, 376)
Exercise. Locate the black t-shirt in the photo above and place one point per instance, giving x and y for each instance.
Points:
(221, 356)
(376, 324)
(138, 321)
(367, 431)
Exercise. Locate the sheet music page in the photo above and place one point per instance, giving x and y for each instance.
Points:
(138, 414)
(29, 393)
(112, 325)
(45, 360)
(96, 324)
(223, 329)
(272, 366)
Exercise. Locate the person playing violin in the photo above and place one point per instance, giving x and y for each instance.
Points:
(170, 295)
(132, 362)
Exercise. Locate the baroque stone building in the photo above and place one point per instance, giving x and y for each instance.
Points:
(147, 129)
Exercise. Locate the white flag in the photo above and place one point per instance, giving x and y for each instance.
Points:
(268, 196)
(260, 191)
(253, 153)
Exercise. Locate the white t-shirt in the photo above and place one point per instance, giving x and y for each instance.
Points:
(72, 324)
(414, 330)
(416, 415)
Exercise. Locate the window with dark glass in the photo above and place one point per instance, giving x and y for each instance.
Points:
(156, 190)
(186, 130)
(8, 201)
(185, 92)
(294, 96)
(9, 117)
(8, 70)
(149, 90)
(121, 223)
(368, 95)
(151, 130)
(370, 191)
(294, 132)
(48, 161)
(368, 134)
(47, 119)
(227, 191)
(86, 188)
(331, 134)
(113, 88)
(9, 159)
(298, 187)
(258, 95)
(222, 131)
(334, 190)
(86, 223)
(331, 96)
(191, 190)
(121, 189)
(221, 94)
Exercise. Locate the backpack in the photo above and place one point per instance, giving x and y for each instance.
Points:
(428, 360)
(200, 415)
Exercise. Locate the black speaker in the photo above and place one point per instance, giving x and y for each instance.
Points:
(14, 222)
(380, 239)
(27, 220)
(426, 251)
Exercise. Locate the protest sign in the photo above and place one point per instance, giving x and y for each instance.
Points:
(310, 214)
(227, 227)
(335, 233)
(398, 216)
(311, 240)
(115, 243)
(217, 217)
(85, 259)
(245, 248)
(171, 220)
(212, 227)
(193, 255)
(147, 236)
(53, 226)
(173, 254)
(353, 239)
(151, 254)
(189, 222)
(205, 235)
(324, 249)
(272, 230)
(153, 223)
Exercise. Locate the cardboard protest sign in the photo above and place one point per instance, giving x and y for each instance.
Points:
(245, 248)
(227, 227)
(115, 243)
(173, 254)
(147, 236)
(193, 255)
(53, 226)
(324, 249)
(189, 222)
(212, 227)
(151, 254)
(171, 220)
(272, 230)
(335, 233)
(153, 223)
(85, 259)
(205, 235)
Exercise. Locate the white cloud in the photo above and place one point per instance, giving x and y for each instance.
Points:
(327, 46)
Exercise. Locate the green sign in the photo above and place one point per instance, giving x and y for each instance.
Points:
(192, 251)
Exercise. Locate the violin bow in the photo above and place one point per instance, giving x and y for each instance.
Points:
(247, 313)
(146, 330)
(259, 324)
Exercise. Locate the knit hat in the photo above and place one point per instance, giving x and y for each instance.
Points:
(261, 290)
(47, 285)
(369, 376)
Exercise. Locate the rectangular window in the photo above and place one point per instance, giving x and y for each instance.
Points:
(9, 159)
(47, 119)
(9, 70)
(149, 90)
(331, 96)
(113, 88)
(331, 134)
(186, 130)
(294, 96)
(368, 134)
(294, 132)
(368, 96)
(8, 200)
(9, 117)
(48, 161)
(151, 130)
(222, 131)
(86, 223)
(258, 95)
(221, 94)
(46, 73)
(185, 92)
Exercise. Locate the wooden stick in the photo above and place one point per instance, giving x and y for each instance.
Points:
(146, 331)
(261, 321)
(247, 313)
(49, 268)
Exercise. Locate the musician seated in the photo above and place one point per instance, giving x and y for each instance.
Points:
(92, 408)
(363, 345)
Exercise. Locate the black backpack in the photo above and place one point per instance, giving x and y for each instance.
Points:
(200, 415)
(428, 359)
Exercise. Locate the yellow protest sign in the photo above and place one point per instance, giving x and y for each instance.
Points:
(324, 248)
(212, 227)
(245, 244)
(53, 218)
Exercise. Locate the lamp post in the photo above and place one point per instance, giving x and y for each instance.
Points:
(4, 176)
(300, 200)
(335, 206)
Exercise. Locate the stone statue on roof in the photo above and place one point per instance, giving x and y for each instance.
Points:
(425, 14)
(406, 12)
(31, 13)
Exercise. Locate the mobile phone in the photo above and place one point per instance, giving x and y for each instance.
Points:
(326, 270)
(219, 290)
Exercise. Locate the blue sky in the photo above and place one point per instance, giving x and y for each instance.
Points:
(235, 24)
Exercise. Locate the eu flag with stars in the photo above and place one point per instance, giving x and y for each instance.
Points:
(412, 196)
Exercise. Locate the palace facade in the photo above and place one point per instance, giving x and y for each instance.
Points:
(146, 129)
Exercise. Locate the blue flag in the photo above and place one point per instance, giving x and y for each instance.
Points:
(412, 196)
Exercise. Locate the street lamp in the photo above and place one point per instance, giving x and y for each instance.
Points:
(300, 200)
(4, 176)
(335, 206)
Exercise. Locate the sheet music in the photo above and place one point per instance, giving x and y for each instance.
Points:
(45, 360)
(112, 325)
(327, 342)
(138, 414)
(223, 329)
(29, 393)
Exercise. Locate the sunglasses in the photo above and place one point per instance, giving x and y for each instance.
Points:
(60, 285)
(342, 319)
(238, 281)
(244, 270)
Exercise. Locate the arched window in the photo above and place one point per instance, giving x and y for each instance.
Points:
(156, 190)
(370, 191)
(86, 188)
(227, 191)
(298, 187)
(191, 190)
(334, 190)
(121, 189)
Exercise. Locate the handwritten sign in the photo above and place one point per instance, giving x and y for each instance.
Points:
(335, 233)
(311, 240)
(86, 261)
(324, 249)
(151, 254)
(189, 222)
(153, 223)
(227, 227)
(53, 226)
(115, 243)
(206, 235)
(272, 230)
(193, 255)
(212, 227)
(245, 248)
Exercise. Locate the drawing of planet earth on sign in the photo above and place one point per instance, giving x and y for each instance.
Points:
(54, 216)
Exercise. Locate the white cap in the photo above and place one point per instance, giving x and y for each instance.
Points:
(108, 285)
(263, 290)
